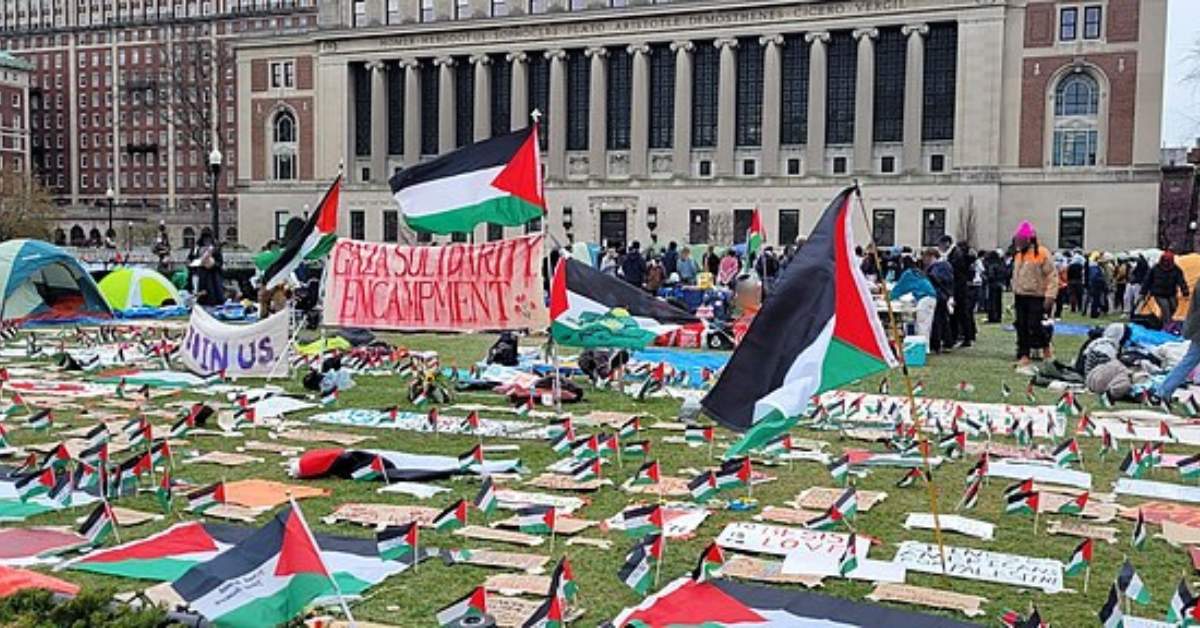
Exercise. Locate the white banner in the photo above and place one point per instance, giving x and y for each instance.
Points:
(210, 346)
(972, 564)
(1157, 490)
(760, 538)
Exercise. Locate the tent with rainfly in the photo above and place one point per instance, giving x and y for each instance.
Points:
(127, 288)
(41, 282)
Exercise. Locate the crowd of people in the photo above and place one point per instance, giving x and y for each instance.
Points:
(658, 267)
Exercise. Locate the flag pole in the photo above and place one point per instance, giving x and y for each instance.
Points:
(311, 539)
(898, 340)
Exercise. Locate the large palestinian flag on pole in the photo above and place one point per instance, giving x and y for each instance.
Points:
(498, 180)
(724, 603)
(819, 330)
(590, 309)
(312, 242)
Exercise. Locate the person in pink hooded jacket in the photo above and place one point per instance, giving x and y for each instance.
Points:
(1035, 289)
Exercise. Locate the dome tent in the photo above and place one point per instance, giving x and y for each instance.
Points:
(127, 288)
(42, 282)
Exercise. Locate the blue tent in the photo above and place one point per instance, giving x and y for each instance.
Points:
(44, 283)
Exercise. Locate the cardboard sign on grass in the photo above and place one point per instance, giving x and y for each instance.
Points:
(822, 498)
(759, 538)
(972, 564)
(969, 605)
(381, 515)
(1160, 511)
(1079, 529)
(528, 563)
(758, 570)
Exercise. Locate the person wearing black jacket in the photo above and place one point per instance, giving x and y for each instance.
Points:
(995, 277)
(962, 323)
(1162, 284)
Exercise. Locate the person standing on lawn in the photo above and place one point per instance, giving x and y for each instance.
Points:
(1035, 290)
(1163, 283)
(1191, 331)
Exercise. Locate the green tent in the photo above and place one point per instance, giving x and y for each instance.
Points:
(127, 288)
(41, 281)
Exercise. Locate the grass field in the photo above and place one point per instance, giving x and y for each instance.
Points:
(411, 599)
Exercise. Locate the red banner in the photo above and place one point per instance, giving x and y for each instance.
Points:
(458, 287)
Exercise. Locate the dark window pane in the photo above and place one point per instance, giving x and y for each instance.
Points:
(579, 77)
(662, 96)
(891, 53)
(1068, 23)
(884, 227)
(429, 108)
(1092, 18)
(933, 226)
(539, 94)
(391, 226)
(495, 232)
(706, 85)
(843, 73)
(741, 224)
(941, 75)
(789, 226)
(794, 106)
(458, 237)
(362, 110)
(749, 92)
(396, 110)
(501, 95)
(464, 101)
(1070, 228)
(620, 98)
(358, 225)
(698, 226)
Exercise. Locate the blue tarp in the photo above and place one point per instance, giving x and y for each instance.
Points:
(692, 362)
(1150, 338)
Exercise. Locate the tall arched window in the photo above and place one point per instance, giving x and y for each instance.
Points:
(1076, 120)
(189, 238)
(283, 146)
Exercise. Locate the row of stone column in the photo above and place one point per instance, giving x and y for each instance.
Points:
(724, 161)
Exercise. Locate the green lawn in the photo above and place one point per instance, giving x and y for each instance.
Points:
(411, 599)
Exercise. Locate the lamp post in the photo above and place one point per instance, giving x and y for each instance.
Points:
(112, 197)
(214, 168)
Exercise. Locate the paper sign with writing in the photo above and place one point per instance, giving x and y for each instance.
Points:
(789, 516)
(759, 570)
(501, 536)
(821, 498)
(1158, 512)
(1014, 470)
(517, 584)
(510, 499)
(681, 520)
(1095, 510)
(557, 482)
(459, 287)
(969, 605)
(1180, 535)
(1142, 622)
(869, 570)
(760, 538)
(529, 563)
(973, 564)
(210, 346)
(1158, 490)
(1077, 528)
(382, 515)
(223, 458)
(953, 523)
(667, 486)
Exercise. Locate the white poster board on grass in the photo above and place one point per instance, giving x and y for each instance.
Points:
(972, 564)
(211, 347)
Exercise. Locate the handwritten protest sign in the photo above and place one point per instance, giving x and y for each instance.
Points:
(973, 564)
(460, 287)
(758, 538)
(211, 347)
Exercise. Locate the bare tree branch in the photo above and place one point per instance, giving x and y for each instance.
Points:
(197, 68)
(27, 209)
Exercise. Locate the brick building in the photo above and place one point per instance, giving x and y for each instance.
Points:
(126, 102)
(678, 118)
(14, 114)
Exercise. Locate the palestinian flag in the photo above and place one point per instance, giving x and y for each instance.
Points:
(1066, 453)
(630, 428)
(1133, 465)
(839, 468)
(164, 491)
(756, 235)
(247, 415)
(849, 560)
(1029, 394)
(3, 438)
(735, 473)
(636, 573)
(537, 519)
(34, 484)
(497, 181)
(433, 418)
(844, 509)
(95, 455)
(586, 448)
(710, 563)
(160, 451)
(1067, 405)
(911, 477)
(558, 427)
(485, 499)
(649, 473)
(85, 476)
(590, 309)
(697, 435)
(1189, 468)
(562, 443)
(549, 615)
(819, 331)
(398, 542)
(587, 471)
(61, 493)
(472, 460)
(562, 581)
(643, 520)
(1164, 431)
(1181, 604)
(1023, 503)
(1111, 615)
(97, 435)
(1012, 619)
(731, 604)
(965, 388)
(953, 443)
(472, 421)
(1131, 584)
(98, 525)
(369, 472)
(1107, 442)
(703, 487)
(1075, 506)
(979, 469)
(329, 397)
(474, 604)
(207, 497)
(1106, 400)
(1005, 391)
(40, 420)
(279, 569)
(1139, 532)
(636, 449)
(779, 447)
(1086, 426)
(524, 409)
(451, 518)
(1081, 559)
(312, 242)
(57, 458)
(970, 494)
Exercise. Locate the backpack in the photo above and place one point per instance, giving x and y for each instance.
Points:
(504, 351)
